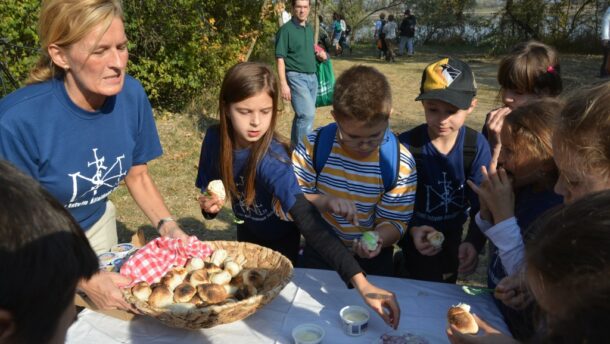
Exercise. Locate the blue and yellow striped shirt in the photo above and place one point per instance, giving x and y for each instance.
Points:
(360, 181)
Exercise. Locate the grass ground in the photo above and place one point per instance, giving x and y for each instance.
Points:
(181, 134)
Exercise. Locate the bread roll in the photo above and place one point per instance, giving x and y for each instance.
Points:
(197, 301)
(436, 239)
(198, 277)
(161, 297)
(212, 293)
(194, 263)
(184, 293)
(171, 280)
(211, 268)
(222, 277)
(460, 317)
(215, 187)
(181, 272)
(141, 291)
(218, 257)
(232, 268)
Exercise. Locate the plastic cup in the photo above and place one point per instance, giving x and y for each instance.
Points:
(355, 320)
(308, 334)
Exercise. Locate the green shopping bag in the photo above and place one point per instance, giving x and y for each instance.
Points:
(326, 83)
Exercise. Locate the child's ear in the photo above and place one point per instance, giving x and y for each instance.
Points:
(7, 325)
(473, 104)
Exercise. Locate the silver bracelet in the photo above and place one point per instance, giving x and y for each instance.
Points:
(164, 221)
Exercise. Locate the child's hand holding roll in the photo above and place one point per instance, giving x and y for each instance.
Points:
(214, 198)
(426, 240)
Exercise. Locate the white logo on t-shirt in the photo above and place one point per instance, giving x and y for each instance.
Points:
(104, 176)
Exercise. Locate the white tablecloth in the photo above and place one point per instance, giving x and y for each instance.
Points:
(313, 296)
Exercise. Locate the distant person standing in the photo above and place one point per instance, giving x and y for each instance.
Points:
(389, 31)
(603, 72)
(407, 33)
(345, 36)
(379, 36)
(296, 67)
(338, 29)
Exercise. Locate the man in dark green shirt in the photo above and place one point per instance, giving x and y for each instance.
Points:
(296, 65)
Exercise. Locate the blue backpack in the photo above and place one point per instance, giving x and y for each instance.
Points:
(389, 154)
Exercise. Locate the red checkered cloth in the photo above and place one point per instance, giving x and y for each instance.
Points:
(156, 258)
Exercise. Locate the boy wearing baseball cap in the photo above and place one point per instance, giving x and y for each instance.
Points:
(446, 153)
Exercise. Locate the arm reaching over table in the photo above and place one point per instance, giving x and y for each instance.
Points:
(383, 302)
(319, 235)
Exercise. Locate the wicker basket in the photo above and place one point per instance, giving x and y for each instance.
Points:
(279, 274)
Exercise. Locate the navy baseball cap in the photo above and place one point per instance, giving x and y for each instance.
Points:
(449, 80)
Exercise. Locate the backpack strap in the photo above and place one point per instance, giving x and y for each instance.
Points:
(389, 154)
(322, 147)
(389, 160)
(416, 147)
(469, 149)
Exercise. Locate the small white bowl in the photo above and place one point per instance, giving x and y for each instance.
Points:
(308, 334)
(355, 320)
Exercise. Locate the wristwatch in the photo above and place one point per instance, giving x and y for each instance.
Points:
(164, 221)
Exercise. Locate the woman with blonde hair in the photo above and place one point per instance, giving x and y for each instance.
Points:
(82, 125)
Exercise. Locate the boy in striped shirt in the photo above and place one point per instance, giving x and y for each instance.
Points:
(349, 189)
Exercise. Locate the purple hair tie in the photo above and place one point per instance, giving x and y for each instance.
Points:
(551, 69)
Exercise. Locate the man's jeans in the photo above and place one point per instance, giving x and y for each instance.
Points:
(408, 41)
(303, 91)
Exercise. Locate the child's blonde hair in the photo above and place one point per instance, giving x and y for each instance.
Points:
(583, 128)
(533, 68)
(531, 129)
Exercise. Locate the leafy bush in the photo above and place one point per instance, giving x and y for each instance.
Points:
(18, 27)
(179, 49)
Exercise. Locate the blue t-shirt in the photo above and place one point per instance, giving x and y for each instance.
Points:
(275, 181)
(78, 156)
(529, 205)
(443, 198)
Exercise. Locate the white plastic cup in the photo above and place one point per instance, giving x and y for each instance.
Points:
(308, 334)
(106, 260)
(355, 320)
(122, 250)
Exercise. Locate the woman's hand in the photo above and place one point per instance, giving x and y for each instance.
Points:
(490, 335)
(383, 302)
(103, 289)
(172, 230)
(210, 203)
(420, 239)
(496, 191)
